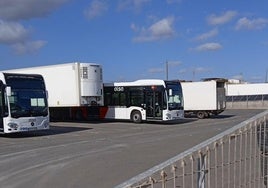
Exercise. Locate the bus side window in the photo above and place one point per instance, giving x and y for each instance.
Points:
(122, 99)
(118, 99)
(115, 99)
(136, 98)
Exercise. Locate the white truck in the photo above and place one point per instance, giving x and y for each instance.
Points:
(74, 89)
(204, 98)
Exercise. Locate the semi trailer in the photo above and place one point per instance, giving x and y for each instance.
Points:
(74, 89)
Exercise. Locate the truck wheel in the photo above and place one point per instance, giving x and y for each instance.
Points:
(136, 117)
(201, 115)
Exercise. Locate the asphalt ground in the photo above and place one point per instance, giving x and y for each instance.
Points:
(103, 153)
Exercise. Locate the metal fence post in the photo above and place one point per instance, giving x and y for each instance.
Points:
(201, 170)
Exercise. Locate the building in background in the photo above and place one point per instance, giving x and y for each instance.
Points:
(246, 95)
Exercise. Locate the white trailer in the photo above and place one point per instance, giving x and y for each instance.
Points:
(72, 88)
(203, 98)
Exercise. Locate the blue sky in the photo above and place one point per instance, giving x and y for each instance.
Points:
(133, 39)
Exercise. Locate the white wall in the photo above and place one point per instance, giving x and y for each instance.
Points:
(246, 89)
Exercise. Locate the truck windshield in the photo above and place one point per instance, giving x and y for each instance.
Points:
(28, 96)
(175, 98)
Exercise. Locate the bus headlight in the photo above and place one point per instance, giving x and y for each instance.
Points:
(168, 116)
(13, 125)
(46, 124)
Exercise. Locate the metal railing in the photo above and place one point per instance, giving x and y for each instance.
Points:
(239, 98)
(247, 101)
(237, 157)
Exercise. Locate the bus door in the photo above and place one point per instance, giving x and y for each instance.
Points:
(153, 101)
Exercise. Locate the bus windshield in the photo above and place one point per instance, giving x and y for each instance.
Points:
(28, 97)
(175, 98)
(24, 103)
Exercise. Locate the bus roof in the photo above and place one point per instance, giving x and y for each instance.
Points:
(142, 82)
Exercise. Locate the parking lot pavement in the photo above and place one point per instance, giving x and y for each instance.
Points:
(101, 154)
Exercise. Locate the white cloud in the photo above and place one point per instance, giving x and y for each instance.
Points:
(201, 70)
(208, 35)
(95, 9)
(173, 1)
(257, 79)
(14, 34)
(254, 24)
(221, 19)
(195, 70)
(174, 63)
(135, 5)
(238, 77)
(183, 71)
(15, 10)
(265, 43)
(134, 27)
(17, 36)
(209, 47)
(192, 72)
(28, 46)
(11, 32)
(156, 70)
(162, 29)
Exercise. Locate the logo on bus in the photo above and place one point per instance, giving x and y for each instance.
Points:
(118, 89)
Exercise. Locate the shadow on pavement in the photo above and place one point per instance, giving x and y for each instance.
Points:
(221, 116)
(54, 130)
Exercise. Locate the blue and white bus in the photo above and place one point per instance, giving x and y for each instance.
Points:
(143, 100)
(23, 103)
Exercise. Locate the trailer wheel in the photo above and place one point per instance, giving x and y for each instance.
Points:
(136, 117)
(201, 115)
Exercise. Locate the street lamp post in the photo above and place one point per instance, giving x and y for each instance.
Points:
(171, 63)
(166, 70)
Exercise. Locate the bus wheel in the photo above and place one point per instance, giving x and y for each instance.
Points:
(136, 117)
(201, 115)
